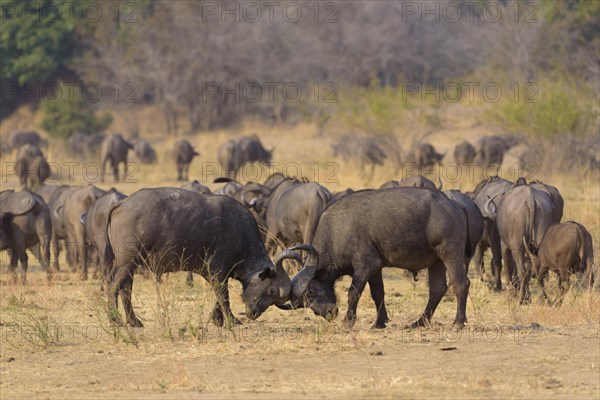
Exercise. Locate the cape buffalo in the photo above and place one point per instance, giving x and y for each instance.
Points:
(523, 217)
(31, 166)
(491, 149)
(77, 201)
(293, 211)
(364, 150)
(234, 155)
(485, 190)
(416, 181)
(20, 138)
(184, 154)
(114, 151)
(95, 220)
(426, 156)
(214, 236)
(409, 228)
(59, 230)
(474, 221)
(197, 187)
(25, 222)
(85, 146)
(464, 152)
(566, 249)
(144, 151)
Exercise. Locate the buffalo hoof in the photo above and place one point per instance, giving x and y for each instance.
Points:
(84, 277)
(378, 325)
(458, 325)
(349, 322)
(135, 322)
(217, 317)
(421, 322)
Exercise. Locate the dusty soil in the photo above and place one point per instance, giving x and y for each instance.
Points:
(56, 343)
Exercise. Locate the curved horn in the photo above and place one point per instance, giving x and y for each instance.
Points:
(487, 207)
(249, 204)
(17, 203)
(305, 275)
(82, 218)
(283, 280)
(222, 180)
(313, 255)
(440, 186)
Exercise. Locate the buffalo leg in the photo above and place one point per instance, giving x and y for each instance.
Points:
(378, 294)
(126, 289)
(478, 259)
(14, 263)
(23, 260)
(115, 167)
(179, 178)
(356, 288)
(524, 275)
(222, 294)
(460, 282)
(437, 289)
(190, 279)
(55, 248)
(125, 171)
(542, 273)
(103, 172)
(496, 257)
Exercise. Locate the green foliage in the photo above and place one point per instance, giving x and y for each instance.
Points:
(35, 40)
(70, 113)
(376, 109)
(560, 108)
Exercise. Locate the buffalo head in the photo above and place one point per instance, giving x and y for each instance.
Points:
(311, 290)
(268, 286)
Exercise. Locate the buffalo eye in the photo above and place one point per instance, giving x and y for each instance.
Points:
(267, 273)
(273, 291)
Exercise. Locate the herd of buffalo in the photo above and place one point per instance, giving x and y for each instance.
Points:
(410, 224)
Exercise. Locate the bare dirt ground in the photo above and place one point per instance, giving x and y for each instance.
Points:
(57, 343)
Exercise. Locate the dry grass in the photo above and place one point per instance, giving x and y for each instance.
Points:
(63, 345)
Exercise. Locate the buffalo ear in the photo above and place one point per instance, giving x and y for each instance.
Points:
(267, 273)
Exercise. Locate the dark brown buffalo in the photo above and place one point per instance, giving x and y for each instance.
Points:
(114, 151)
(184, 153)
(409, 228)
(31, 166)
(232, 155)
(464, 153)
(566, 249)
(214, 236)
(426, 156)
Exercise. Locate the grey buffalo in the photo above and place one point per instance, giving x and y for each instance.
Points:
(486, 189)
(24, 223)
(196, 187)
(415, 181)
(566, 249)
(86, 146)
(20, 138)
(474, 221)
(491, 149)
(95, 220)
(293, 210)
(214, 236)
(77, 202)
(59, 230)
(184, 153)
(426, 156)
(31, 166)
(363, 150)
(524, 214)
(359, 235)
(464, 153)
(232, 155)
(144, 151)
(114, 151)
